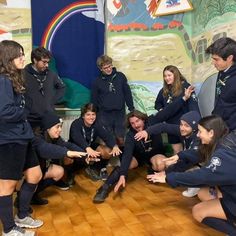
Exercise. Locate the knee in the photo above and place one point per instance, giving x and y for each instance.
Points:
(197, 213)
(58, 173)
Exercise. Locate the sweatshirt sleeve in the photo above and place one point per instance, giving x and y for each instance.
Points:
(159, 102)
(9, 110)
(219, 171)
(59, 88)
(164, 128)
(48, 150)
(70, 146)
(127, 154)
(167, 112)
(128, 94)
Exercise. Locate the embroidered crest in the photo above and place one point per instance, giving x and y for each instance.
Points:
(215, 162)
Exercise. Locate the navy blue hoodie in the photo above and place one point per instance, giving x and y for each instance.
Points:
(225, 103)
(191, 105)
(115, 100)
(219, 171)
(14, 127)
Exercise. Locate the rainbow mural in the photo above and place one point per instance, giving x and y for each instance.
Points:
(62, 16)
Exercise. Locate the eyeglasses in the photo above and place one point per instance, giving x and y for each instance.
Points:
(45, 62)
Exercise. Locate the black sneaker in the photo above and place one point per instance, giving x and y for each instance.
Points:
(36, 200)
(101, 195)
(92, 174)
(62, 185)
(71, 181)
(103, 174)
(16, 205)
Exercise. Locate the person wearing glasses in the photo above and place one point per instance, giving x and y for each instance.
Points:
(43, 87)
(17, 156)
(110, 94)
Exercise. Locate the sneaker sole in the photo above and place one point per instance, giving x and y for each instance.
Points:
(28, 226)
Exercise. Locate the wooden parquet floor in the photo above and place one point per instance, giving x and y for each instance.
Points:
(141, 209)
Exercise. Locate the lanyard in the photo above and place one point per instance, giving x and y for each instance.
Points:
(91, 135)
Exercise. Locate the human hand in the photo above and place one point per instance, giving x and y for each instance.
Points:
(171, 160)
(187, 92)
(92, 153)
(120, 183)
(157, 177)
(75, 154)
(115, 151)
(141, 135)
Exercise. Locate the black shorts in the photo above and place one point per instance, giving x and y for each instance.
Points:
(230, 217)
(15, 159)
(114, 121)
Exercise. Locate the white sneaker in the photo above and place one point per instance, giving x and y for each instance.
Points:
(190, 192)
(17, 231)
(28, 222)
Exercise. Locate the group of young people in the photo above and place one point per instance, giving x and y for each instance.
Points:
(204, 148)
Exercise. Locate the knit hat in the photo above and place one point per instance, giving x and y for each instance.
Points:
(192, 118)
(50, 119)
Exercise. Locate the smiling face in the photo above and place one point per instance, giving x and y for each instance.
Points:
(185, 129)
(55, 131)
(205, 135)
(89, 118)
(107, 69)
(136, 123)
(169, 77)
(221, 64)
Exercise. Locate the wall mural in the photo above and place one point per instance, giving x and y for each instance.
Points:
(15, 23)
(142, 44)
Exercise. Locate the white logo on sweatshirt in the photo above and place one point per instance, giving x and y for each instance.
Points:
(215, 161)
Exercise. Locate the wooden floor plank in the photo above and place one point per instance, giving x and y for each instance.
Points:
(142, 209)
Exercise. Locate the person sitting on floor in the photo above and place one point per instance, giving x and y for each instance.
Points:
(183, 160)
(85, 132)
(219, 151)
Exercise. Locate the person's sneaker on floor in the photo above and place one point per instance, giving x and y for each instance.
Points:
(92, 174)
(37, 200)
(18, 231)
(103, 174)
(190, 192)
(16, 205)
(62, 185)
(28, 222)
(101, 194)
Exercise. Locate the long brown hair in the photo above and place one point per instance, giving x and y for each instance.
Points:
(176, 88)
(220, 130)
(10, 50)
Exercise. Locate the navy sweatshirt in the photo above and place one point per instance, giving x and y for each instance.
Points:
(57, 149)
(13, 125)
(133, 146)
(84, 136)
(225, 103)
(112, 99)
(189, 157)
(191, 104)
(220, 172)
(53, 90)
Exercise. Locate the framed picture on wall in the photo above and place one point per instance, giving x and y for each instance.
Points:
(167, 7)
